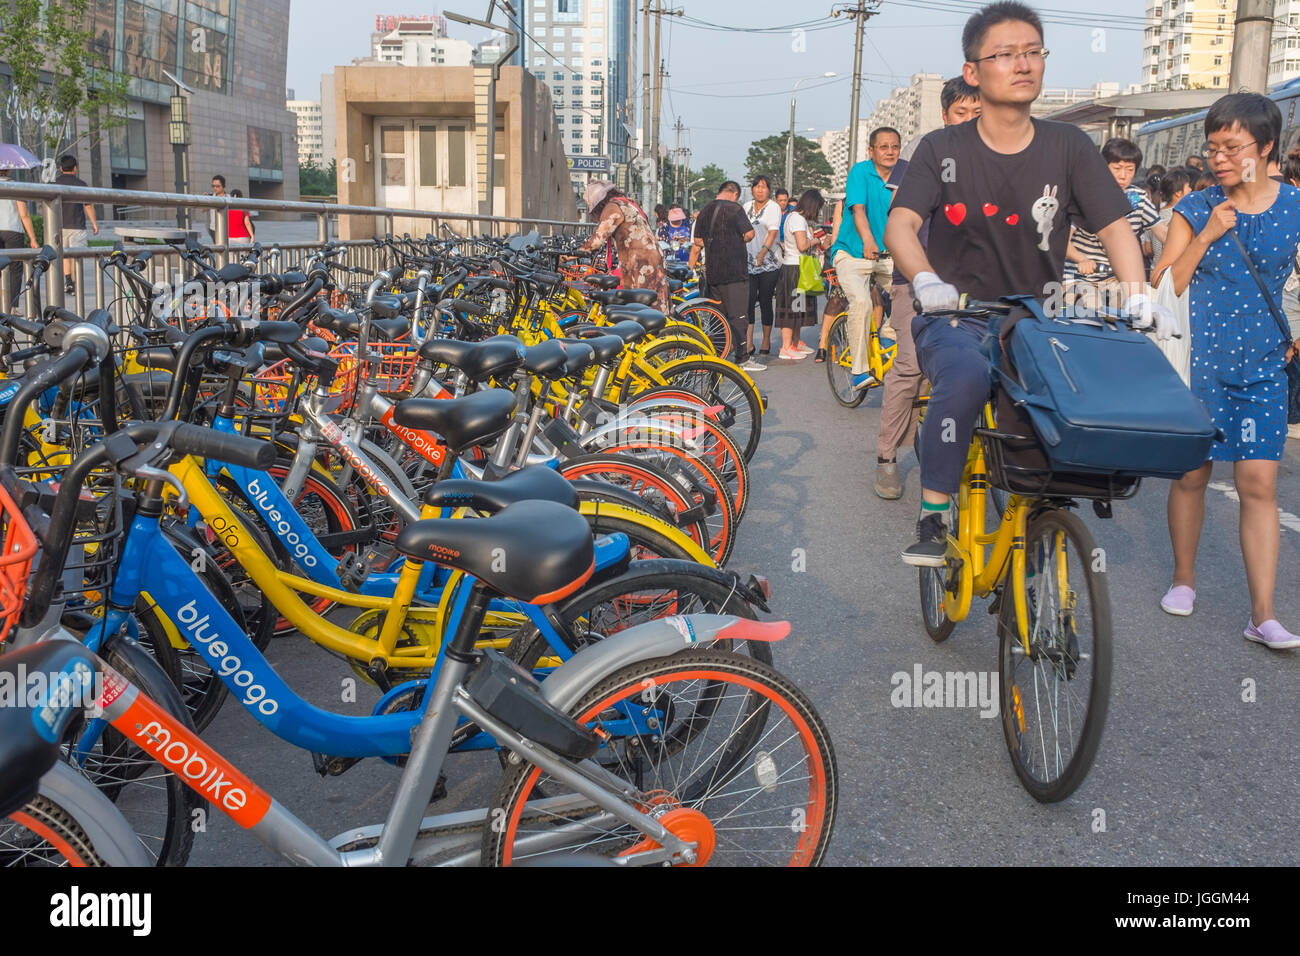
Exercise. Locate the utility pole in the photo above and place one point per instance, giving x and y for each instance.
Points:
(646, 175)
(1251, 42)
(677, 157)
(660, 73)
(860, 11)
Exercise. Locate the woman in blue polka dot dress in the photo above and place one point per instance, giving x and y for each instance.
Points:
(1238, 351)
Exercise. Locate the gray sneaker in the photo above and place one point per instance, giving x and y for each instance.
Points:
(887, 484)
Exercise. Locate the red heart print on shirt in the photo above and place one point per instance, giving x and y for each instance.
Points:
(956, 212)
(1013, 219)
(990, 209)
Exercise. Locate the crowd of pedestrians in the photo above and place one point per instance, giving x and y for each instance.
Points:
(1038, 208)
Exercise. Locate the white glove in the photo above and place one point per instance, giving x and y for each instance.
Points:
(1144, 314)
(934, 294)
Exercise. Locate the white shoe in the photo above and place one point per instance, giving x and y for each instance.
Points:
(790, 355)
(751, 366)
(1293, 431)
(800, 347)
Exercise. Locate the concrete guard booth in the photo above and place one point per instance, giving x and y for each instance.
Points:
(416, 138)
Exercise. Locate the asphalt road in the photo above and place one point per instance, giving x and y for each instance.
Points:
(1189, 772)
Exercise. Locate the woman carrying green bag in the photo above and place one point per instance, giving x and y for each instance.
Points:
(801, 279)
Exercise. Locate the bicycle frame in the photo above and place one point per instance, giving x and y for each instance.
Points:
(984, 555)
(407, 835)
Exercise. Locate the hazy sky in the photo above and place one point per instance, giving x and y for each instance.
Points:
(730, 88)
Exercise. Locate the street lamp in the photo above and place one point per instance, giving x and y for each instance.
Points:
(789, 144)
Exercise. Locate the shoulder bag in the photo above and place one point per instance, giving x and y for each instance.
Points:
(1292, 370)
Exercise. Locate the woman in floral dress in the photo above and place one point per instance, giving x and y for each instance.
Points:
(620, 219)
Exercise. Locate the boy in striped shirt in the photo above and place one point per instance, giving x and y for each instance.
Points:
(1089, 279)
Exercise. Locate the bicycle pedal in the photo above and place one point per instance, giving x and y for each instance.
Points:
(353, 569)
(328, 766)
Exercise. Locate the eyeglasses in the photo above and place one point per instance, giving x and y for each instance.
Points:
(1230, 153)
(1007, 58)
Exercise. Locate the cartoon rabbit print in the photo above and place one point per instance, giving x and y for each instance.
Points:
(1044, 212)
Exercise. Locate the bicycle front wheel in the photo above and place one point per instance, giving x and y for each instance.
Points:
(839, 365)
(738, 762)
(1054, 695)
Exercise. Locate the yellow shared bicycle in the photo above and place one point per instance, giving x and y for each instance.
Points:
(1041, 565)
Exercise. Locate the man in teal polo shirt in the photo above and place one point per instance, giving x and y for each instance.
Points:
(859, 249)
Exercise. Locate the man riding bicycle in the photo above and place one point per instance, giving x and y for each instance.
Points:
(1002, 192)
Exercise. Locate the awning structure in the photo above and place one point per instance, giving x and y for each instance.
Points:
(1118, 115)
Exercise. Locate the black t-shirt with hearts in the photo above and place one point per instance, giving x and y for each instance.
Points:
(1000, 223)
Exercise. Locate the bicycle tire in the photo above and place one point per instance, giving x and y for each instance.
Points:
(760, 696)
(837, 375)
(711, 322)
(168, 840)
(646, 541)
(720, 383)
(721, 522)
(67, 823)
(662, 351)
(643, 478)
(1065, 659)
(715, 446)
(650, 589)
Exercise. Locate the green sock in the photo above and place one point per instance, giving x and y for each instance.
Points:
(941, 510)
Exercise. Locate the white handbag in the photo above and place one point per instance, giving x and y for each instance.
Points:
(1177, 349)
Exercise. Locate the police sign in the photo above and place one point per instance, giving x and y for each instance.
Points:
(589, 164)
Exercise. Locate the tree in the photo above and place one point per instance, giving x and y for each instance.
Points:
(314, 181)
(701, 194)
(58, 77)
(812, 170)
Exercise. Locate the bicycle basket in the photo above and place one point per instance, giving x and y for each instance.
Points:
(1012, 462)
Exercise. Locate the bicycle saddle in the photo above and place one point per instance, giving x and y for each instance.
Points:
(157, 356)
(499, 355)
(603, 282)
(545, 358)
(605, 297)
(30, 735)
(386, 305)
(579, 356)
(651, 321)
(462, 422)
(534, 551)
(675, 285)
(678, 270)
(606, 348)
(639, 296)
(629, 331)
(535, 483)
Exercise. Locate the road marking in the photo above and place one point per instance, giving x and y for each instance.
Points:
(1287, 519)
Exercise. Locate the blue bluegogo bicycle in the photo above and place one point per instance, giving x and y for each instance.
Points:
(652, 744)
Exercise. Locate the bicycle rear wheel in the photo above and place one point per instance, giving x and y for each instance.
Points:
(720, 383)
(739, 763)
(1054, 697)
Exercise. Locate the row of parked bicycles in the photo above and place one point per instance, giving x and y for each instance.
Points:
(484, 479)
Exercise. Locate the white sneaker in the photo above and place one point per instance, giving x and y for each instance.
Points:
(800, 347)
(751, 366)
(1293, 431)
(790, 355)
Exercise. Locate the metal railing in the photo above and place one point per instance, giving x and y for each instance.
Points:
(166, 261)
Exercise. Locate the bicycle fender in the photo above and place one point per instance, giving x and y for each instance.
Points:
(566, 685)
(108, 830)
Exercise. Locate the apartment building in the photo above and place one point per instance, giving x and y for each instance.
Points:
(311, 148)
(1187, 44)
(1284, 55)
(913, 110)
(421, 41)
(583, 51)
